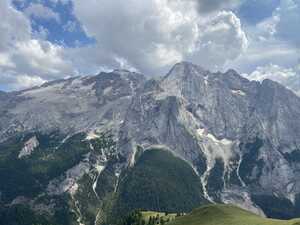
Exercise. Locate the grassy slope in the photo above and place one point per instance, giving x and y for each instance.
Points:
(227, 215)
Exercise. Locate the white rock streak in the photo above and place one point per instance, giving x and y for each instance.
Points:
(79, 218)
(98, 169)
(213, 149)
(29, 147)
(238, 171)
(238, 92)
(92, 135)
(241, 199)
(133, 156)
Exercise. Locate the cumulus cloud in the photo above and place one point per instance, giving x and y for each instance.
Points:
(41, 33)
(148, 36)
(156, 34)
(221, 40)
(26, 61)
(272, 72)
(263, 51)
(38, 10)
(289, 77)
(40, 58)
(20, 81)
(10, 20)
(274, 40)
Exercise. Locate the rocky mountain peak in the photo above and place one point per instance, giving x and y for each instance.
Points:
(182, 70)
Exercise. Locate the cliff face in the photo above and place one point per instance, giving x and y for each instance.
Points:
(208, 119)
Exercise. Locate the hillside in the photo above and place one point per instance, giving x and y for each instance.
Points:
(227, 215)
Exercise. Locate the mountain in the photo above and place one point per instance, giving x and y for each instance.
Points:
(226, 215)
(89, 150)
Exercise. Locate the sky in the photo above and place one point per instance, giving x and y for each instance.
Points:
(44, 40)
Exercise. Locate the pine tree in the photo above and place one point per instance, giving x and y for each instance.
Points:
(150, 222)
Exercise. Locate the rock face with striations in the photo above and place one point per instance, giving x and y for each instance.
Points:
(221, 121)
(241, 137)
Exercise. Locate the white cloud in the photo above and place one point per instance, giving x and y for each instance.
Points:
(275, 40)
(40, 58)
(272, 72)
(268, 27)
(5, 61)
(38, 10)
(289, 77)
(26, 61)
(25, 81)
(70, 26)
(155, 34)
(148, 36)
(20, 82)
(263, 52)
(14, 26)
(40, 33)
(221, 40)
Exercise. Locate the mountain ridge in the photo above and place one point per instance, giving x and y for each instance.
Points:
(240, 137)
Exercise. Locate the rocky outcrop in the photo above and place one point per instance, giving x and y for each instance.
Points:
(29, 147)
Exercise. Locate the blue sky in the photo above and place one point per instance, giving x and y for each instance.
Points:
(42, 40)
(67, 31)
(255, 11)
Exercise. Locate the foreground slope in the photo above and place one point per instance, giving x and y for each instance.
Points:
(227, 215)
